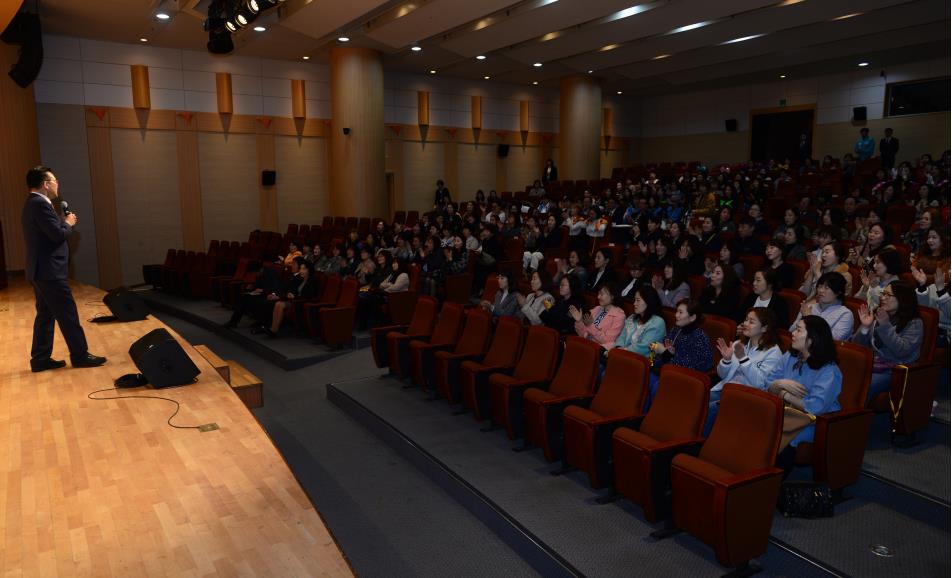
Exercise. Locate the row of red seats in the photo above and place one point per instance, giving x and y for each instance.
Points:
(510, 378)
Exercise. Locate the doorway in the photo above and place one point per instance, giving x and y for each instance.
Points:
(775, 134)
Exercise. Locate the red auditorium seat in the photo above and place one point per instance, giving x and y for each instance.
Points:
(502, 355)
(472, 345)
(794, 299)
(620, 399)
(839, 443)
(337, 322)
(444, 337)
(715, 326)
(673, 425)
(397, 340)
(152, 274)
(424, 316)
(328, 298)
(727, 494)
(400, 305)
(574, 383)
(536, 365)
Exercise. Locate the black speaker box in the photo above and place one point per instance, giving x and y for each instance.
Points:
(268, 178)
(502, 151)
(859, 113)
(24, 30)
(730, 125)
(162, 360)
(125, 305)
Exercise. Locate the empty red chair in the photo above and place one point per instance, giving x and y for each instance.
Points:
(400, 306)
(727, 494)
(502, 355)
(573, 383)
(642, 458)
(715, 326)
(152, 274)
(620, 399)
(328, 298)
(337, 322)
(398, 343)
(536, 365)
(457, 288)
(444, 337)
(424, 315)
(472, 345)
(839, 442)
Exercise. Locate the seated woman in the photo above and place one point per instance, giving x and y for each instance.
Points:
(935, 295)
(690, 257)
(830, 291)
(293, 252)
(672, 286)
(271, 311)
(776, 262)
(685, 345)
(747, 363)
(575, 266)
(538, 300)
(645, 326)
(570, 295)
(934, 250)
(720, 297)
(807, 378)
(764, 294)
(549, 238)
(604, 273)
(318, 260)
(893, 331)
(831, 260)
(726, 256)
(505, 303)
(603, 323)
(657, 258)
(637, 278)
(878, 239)
(793, 243)
(887, 266)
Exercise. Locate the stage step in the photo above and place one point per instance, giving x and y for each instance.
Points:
(246, 385)
(217, 363)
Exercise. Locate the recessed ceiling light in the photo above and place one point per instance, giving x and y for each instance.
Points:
(259, 29)
(305, 58)
(591, 71)
(608, 47)
(535, 83)
(551, 36)
(690, 27)
(416, 48)
(660, 56)
(619, 92)
(789, 2)
(162, 15)
(143, 40)
(863, 64)
(343, 39)
(537, 64)
(481, 57)
(628, 12)
(783, 76)
(485, 78)
(845, 16)
(432, 72)
(743, 39)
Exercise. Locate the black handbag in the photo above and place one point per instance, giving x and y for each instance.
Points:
(805, 500)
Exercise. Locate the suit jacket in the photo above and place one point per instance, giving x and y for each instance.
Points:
(45, 233)
(888, 149)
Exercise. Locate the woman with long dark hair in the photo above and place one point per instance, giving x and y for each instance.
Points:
(645, 326)
(672, 287)
(685, 345)
(557, 316)
(765, 288)
(720, 297)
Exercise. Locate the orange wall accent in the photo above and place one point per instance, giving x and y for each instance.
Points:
(358, 181)
(423, 108)
(298, 104)
(19, 150)
(524, 115)
(223, 91)
(141, 98)
(476, 107)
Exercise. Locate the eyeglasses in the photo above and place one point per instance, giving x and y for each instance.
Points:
(49, 180)
(884, 294)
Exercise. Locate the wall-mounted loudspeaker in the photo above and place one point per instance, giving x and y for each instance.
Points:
(268, 178)
(502, 151)
(24, 31)
(859, 113)
(162, 360)
(730, 125)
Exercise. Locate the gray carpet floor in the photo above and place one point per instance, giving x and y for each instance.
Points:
(388, 518)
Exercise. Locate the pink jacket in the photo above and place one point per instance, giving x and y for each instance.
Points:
(606, 332)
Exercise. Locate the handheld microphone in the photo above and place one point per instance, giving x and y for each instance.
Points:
(65, 207)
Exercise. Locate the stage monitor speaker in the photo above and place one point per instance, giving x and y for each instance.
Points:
(502, 151)
(125, 305)
(162, 360)
(859, 113)
(731, 125)
(268, 178)
(24, 30)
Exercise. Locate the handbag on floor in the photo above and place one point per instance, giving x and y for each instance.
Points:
(805, 500)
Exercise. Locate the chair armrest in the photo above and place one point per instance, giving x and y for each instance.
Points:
(683, 445)
(582, 400)
(837, 416)
(746, 478)
(634, 419)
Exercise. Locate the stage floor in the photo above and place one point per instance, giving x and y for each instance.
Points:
(107, 488)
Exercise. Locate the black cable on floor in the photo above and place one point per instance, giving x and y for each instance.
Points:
(178, 406)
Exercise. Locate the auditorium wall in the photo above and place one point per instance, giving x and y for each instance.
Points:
(690, 125)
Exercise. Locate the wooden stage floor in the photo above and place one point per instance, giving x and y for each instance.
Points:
(106, 488)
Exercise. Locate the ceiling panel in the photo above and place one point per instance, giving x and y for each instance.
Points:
(318, 19)
(433, 18)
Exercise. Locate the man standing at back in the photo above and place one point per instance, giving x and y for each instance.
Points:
(47, 263)
(865, 146)
(888, 147)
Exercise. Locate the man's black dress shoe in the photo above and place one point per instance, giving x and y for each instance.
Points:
(49, 363)
(88, 360)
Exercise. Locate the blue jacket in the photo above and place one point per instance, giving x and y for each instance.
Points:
(823, 388)
(652, 331)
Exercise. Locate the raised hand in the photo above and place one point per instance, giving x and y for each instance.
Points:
(724, 349)
(920, 276)
(739, 352)
(940, 276)
(882, 315)
(866, 316)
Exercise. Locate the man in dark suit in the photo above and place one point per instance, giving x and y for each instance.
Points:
(442, 195)
(888, 147)
(47, 263)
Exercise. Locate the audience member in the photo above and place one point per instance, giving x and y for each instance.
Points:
(538, 300)
(685, 345)
(764, 295)
(645, 326)
(570, 295)
(828, 305)
(603, 323)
